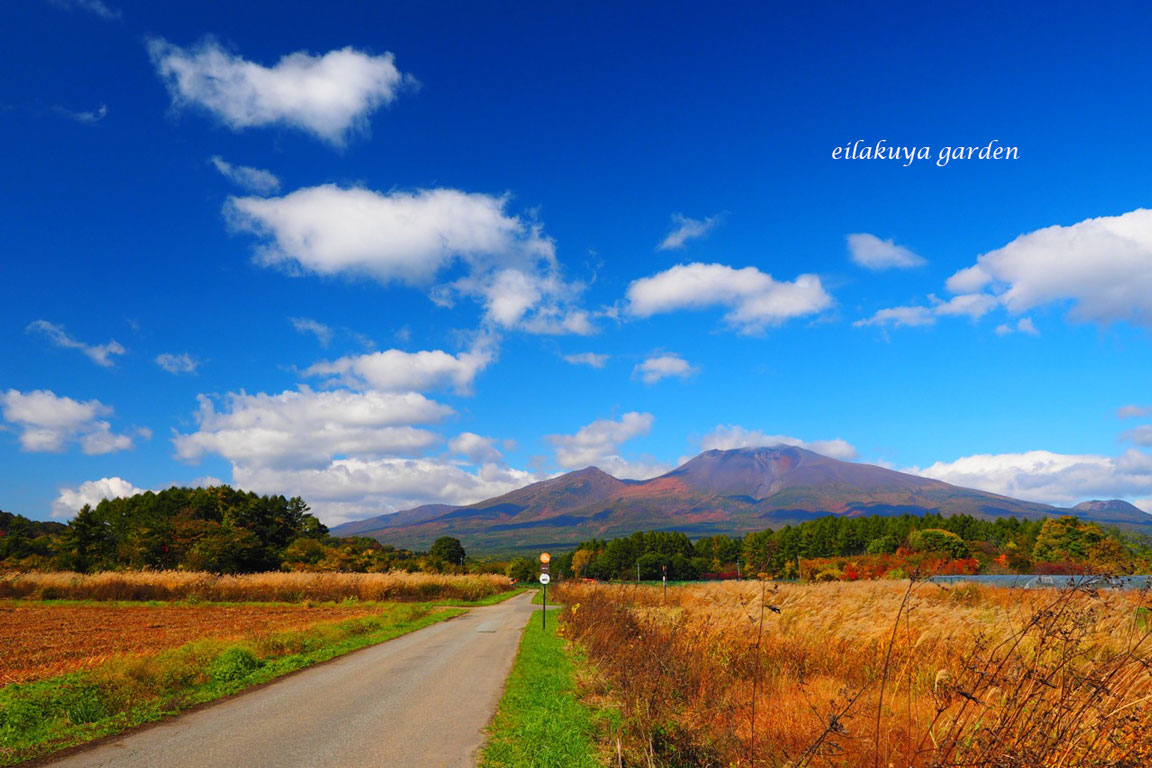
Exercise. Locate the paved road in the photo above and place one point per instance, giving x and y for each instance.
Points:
(419, 701)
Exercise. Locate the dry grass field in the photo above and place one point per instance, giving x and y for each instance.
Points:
(42, 640)
(869, 674)
(253, 587)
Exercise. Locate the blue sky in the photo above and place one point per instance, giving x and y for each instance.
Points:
(385, 254)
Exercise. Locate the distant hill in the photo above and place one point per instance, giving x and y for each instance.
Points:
(718, 492)
(1114, 511)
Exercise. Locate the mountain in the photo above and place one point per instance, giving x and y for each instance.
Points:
(1115, 511)
(718, 492)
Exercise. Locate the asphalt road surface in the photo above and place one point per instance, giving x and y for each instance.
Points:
(421, 700)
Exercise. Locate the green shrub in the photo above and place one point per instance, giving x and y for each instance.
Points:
(232, 665)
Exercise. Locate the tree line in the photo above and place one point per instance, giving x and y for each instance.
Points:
(218, 529)
(899, 543)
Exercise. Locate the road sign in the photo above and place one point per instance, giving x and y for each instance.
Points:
(545, 558)
(545, 578)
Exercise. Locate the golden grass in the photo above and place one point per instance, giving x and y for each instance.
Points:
(870, 674)
(253, 587)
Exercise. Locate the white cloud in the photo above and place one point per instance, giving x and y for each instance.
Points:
(252, 179)
(660, 367)
(597, 444)
(49, 424)
(101, 354)
(1133, 411)
(1023, 325)
(322, 332)
(972, 305)
(329, 96)
(92, 492)
(414, 237)
(348, 489)
(725, 438)
(306, 429)
(873, 253)
(686, 229)
(395, 370)
(1102, 267)
(95, 7)
(476, 448)
(910, 316)
(591, 359)
(1049, 478)
(177, 364)
(754, 299)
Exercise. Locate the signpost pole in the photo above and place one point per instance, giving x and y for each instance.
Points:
(545, 559)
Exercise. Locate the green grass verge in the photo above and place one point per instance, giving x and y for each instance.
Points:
(540, 723)
(42, 717)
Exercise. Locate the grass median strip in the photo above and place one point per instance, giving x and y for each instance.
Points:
(41, 717)
(540, 723)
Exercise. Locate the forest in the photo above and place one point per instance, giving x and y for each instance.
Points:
(218, 529)
(850, 548)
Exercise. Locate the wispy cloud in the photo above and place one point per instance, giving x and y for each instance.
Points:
(322, 332)
(591, 359)
(252, 179)
(95, 7)
(177, 364)
(686, 229)
(101, 354)
(90, 117)
(873, 253)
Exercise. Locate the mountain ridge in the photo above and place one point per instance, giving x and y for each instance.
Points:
(717, 492)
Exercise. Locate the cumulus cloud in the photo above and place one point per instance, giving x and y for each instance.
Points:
(92, 492)
(754, 298)
(873, 253)
(476, 448)
(413, 238)
(1102, 267)
(304, 428)
(347, 489)
(252, 179)
(727, 437)
(322, 332)
(591, 359)
(101, 354)
(177, 364)
(49, 424)
(395, 370)
(686, 229)
(329, 96)
(973, 305)
(597, 444)
(658, 367)
(1049, 478)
